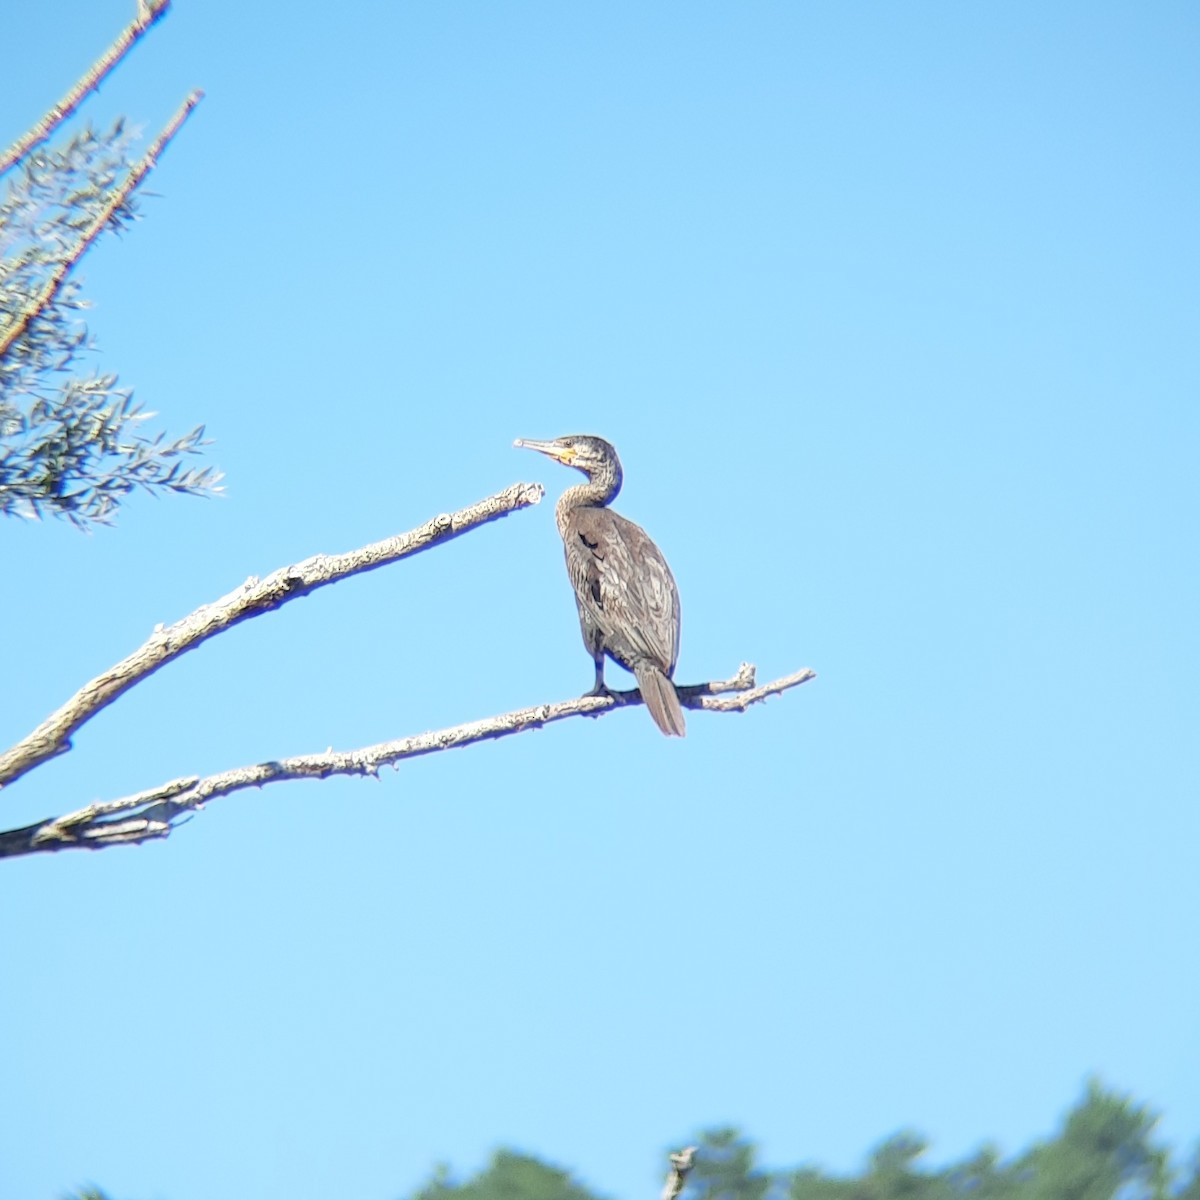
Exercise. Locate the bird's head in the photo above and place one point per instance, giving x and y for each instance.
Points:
(595, 457)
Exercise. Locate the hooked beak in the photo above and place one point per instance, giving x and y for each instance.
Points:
(562, 454)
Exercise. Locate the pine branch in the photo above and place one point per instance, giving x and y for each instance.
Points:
(45, 297)
(154, 813)
(149, 12)
(252, 599)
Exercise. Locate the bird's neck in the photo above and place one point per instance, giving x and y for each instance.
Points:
(596, 493)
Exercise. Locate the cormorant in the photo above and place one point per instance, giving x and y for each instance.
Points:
(627, 599)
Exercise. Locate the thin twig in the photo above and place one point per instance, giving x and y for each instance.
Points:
(152, 814)
(149, 13)
(58, 277)
(753, 695)
(682, 1161)
(252, 599)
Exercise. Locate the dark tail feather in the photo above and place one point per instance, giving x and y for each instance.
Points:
(660, 697)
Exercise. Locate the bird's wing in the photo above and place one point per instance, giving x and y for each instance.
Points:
(624, 586)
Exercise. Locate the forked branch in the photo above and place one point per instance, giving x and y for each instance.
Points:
(152, 814)
(252, 599)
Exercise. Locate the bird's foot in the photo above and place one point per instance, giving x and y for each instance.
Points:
(601, 689)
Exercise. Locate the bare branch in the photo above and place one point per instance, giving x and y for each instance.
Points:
(252, 599)
(120, 195)
(752, 695)
(152, 814)
(149, 12)
(682, 1161)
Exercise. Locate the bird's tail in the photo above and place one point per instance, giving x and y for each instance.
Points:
(661, 699)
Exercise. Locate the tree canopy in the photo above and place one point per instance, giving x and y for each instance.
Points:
(1105, 1149)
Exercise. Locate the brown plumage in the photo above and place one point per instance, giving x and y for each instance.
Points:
(627, 600)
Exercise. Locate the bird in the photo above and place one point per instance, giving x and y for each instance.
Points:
(626, 595)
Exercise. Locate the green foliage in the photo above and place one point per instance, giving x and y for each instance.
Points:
(1104, 1151)
(1189, 1186)
(725, 1170)
(70, 444)
(509, 1176)
(984, 1177)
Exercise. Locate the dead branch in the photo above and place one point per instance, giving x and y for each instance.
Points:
(254, 597)
(58, 277)
(149, 12)
(682, 1161)
(153, 813)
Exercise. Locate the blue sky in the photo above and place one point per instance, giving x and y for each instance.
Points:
(891, 312)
